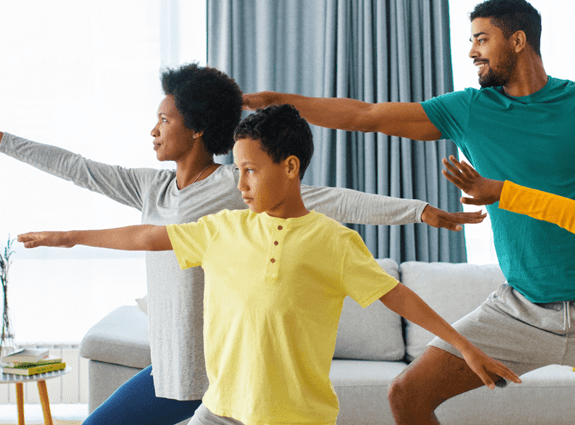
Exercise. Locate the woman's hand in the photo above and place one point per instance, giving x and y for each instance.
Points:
(451, 221)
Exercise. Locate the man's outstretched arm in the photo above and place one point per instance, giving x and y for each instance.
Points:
(392, 118)
(132, 238)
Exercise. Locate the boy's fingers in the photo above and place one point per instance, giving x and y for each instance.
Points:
(30, 240)
(487, 380)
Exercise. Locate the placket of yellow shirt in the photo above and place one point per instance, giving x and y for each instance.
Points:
(278, 233)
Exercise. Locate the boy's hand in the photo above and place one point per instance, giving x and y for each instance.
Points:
(36, 239)
(483, 191)
(481, 363)
(451, 221)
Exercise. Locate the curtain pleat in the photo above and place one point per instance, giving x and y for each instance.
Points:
(371, 50)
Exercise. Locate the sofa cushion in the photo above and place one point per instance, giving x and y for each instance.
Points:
(452, 290)
(119, 338)
(373, 333)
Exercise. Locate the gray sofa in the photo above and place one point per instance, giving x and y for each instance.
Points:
(374, 345)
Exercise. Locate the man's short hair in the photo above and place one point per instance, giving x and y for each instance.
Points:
(511, 16)
(281, 131)
(209, 101)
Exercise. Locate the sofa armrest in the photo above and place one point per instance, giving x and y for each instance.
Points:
(119, 338)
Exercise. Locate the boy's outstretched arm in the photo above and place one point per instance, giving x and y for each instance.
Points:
(409, 305)
(132, 238)
(483, 191)
(391, 118)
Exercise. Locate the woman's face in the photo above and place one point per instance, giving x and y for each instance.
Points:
(172, 139)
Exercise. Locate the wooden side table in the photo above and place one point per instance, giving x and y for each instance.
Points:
(41, 378)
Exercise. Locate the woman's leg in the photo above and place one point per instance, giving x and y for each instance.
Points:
(135, 402)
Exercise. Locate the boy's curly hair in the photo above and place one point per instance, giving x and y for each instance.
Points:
(281, 131)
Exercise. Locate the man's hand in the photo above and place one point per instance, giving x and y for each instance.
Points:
(451, 221)
(483, 191)
(36, 239)
(254, 101)
(481, 363)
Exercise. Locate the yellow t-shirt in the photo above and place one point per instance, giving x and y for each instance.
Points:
(274, 291)
(538, 204)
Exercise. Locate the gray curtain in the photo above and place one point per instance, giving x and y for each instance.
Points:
(372, 50)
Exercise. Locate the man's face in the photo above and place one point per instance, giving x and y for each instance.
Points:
(263, 183)
(491, 53)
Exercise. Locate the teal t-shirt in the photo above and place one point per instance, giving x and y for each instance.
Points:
(529, 140)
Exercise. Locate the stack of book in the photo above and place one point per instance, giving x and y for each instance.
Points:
(31, 361)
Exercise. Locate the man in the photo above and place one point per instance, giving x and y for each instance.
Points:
(519, 126)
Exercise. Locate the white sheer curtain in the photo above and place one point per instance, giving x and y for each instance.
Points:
(82, 75)
(556, 23)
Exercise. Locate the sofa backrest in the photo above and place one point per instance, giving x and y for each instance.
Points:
(373, 333)
(377, 333)
(452, 290)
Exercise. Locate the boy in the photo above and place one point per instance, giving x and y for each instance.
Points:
(511, 197)
(276, 278)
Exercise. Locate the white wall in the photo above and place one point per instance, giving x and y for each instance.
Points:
(82, 75)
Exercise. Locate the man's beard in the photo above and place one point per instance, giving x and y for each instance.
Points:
(501, 77)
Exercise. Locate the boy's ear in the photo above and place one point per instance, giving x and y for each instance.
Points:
(292, 166)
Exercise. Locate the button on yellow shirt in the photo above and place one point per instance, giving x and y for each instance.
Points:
(274, 291)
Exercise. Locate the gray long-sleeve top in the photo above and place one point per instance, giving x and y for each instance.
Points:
(175, 296)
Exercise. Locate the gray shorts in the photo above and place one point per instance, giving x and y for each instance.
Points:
(521, 334)
(203, 416)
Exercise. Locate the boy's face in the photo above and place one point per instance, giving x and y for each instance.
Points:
(263, 183)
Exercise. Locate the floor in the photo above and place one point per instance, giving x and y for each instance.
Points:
(68, 414)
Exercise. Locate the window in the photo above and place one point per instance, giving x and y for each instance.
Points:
(556, 22)
(83, 76)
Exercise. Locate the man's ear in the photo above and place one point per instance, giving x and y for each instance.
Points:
(519, 40)
(292, 166)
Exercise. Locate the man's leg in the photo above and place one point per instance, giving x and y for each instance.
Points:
(507, 327)
(432, 378)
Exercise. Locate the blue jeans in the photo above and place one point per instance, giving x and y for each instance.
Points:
(135, 403)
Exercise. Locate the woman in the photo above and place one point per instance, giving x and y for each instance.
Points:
(196, 120)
